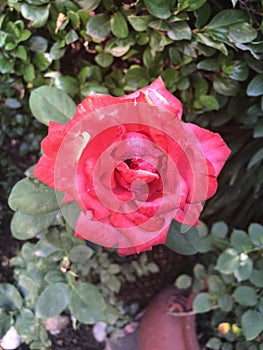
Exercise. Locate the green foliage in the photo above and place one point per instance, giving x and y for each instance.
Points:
(228, 284)
(182, 239)
(51, 104)
(31, 196)
(59, 273)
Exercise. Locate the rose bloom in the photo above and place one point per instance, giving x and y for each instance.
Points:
(131, 165)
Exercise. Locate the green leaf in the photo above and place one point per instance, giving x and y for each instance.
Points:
(228, 261)
(38, 44)
(3, 37)
(183, 282)
(86, 303)
(152, 60)
(227, 18)
(257, 278)
(179, 31)
(5, 322)
(139, 23)
(6, 65)
(33, 197)
(37, 14)
(199, 271)
(53, 300)
(225, 301)
(159, 25)
(104, 59)
(226, 86)
(57, 50)
(29, 288)
(252, 324)
(209, 64)
(209, 102)
(42, 61)
(71, 37)
(21, 52)
(159, 41)
(195, 4)
(89, 5)
(51, 104)
(26, 324)
(36, 2)
(208, 41)
(219, 229)
(68, 84)
(255, 87)
(182, 239)
(98, 26)
(114, 283)
(118, 47)
(245, 296)
(255, 232)
(245, 269)
(202, 303)
(202, 15)
(119, 25)
(240, 241)
(74, 18)
(44, 248)
(55, 277)
(215, 284)
(25, 34)
(93, 88)
(24, 226)
(13, 103)
(158, 8)
(29, 72)
(80, 253)
(214, 343)
(240, 71)
(242, 33)
(10, 299)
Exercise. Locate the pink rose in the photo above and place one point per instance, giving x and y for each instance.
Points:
(132, 166)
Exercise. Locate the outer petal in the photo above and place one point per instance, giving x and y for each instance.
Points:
(156, 94)
(52, 142)
(213, 146)
(144, 247)
(189, 214)
(45, 171)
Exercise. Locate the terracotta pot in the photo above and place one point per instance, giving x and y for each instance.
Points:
(167, 324)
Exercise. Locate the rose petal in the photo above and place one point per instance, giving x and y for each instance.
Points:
(45, 171)
(213, 146)
(189, 214)
(52, 142)
(160, 239)
(156, 94)
(131, 175)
